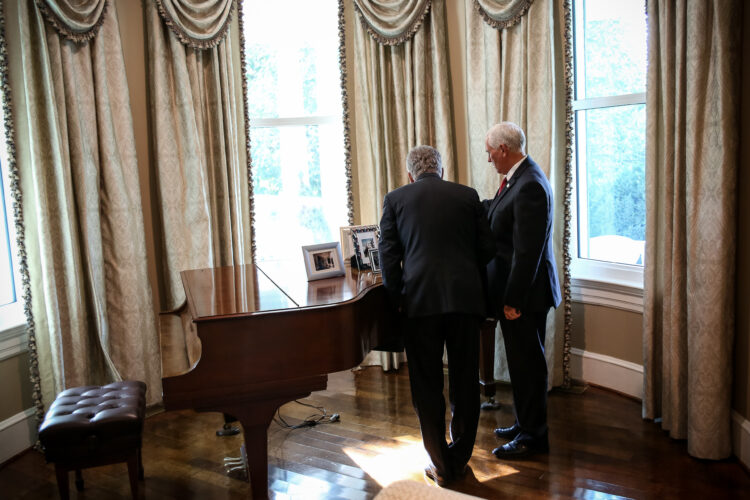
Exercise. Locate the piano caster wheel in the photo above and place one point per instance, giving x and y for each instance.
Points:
(490, 404)
(228, 430)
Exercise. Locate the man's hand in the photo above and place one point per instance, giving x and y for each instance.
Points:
(511, 313)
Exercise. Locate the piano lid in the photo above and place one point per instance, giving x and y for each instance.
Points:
(268, 286)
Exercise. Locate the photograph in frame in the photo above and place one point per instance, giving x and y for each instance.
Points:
(323, 260)
(365, 238)
(347, 244)
(374, 255)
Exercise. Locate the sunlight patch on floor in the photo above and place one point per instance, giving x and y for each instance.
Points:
(389, 462)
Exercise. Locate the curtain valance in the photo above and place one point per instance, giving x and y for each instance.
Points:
(200, 24)
(502, 14)
(392, 22)
(76, 20)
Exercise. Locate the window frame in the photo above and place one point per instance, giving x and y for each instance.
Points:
(594, 281)
(13, 336)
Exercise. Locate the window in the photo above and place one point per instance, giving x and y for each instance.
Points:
(610, 149)
(296, 131)
(12, 318)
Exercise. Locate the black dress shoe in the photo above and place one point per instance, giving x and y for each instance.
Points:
(432, 474)
(520, 449)
(507, 432)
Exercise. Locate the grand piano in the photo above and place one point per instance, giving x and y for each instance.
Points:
(255, 337)
(252, 338)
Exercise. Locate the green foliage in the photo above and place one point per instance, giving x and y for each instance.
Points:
(615, 154)
(262, 81)
(312, 217)
(265, 150)
(309, 178)
(309, 85)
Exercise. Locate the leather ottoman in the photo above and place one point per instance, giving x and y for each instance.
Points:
(95, 425)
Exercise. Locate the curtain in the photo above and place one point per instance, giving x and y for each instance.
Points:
(403, 99)
(91, 307)
(199, 139)
(78, 21)
(692, 103)
(515, 72)
(502, 13)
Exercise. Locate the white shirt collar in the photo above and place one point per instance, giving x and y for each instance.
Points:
(514, 168)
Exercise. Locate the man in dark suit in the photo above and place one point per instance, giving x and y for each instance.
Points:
(523, 283)
(434, 244)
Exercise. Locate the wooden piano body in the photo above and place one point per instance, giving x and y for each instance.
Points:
(253, 339)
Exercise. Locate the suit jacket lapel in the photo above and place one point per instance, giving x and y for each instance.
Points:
(517, 175)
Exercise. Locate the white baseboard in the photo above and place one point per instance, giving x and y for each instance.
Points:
(606, 371)
(17, 433)
(741, 438)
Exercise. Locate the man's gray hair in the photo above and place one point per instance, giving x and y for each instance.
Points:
(423, 159)
(507, 133)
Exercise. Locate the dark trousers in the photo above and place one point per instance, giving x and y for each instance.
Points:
(424, 339)
(527, 367)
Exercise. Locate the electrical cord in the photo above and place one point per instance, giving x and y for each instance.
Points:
(316, 418)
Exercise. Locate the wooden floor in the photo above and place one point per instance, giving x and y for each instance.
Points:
(600, 448)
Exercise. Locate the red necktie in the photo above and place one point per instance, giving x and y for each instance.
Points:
(502, 186)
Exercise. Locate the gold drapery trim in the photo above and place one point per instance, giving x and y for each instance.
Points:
(502, 17)
(345, 116)
(378, 33)
(76, 30)
(184, 35)
(568, 200)
(243, 66)
(16, 195)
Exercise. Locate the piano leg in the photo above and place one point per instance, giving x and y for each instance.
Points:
(487, 364)
(255, 417)
(256, 448)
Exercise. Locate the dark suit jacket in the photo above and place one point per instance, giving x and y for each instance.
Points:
(523, 273)
(438, 231)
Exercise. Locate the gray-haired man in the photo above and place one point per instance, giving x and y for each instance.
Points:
(434, 244)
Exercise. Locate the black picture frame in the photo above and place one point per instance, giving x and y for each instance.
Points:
(374, 255)
(364, 239)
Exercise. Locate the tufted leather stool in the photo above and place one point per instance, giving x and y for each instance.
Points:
(95, 425)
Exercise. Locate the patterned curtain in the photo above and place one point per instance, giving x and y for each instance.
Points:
(90, 306)
(515, 72)
(199, 137)
(402, 97)
(692, 126)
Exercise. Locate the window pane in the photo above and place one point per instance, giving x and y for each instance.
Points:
(610, 48)
(611, 148)
(292, 58)
(299, 188)
(299, 177)
(7, 284)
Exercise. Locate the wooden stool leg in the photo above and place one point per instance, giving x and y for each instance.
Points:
(62, 482)
(140, 464)
(133, 474)
(79, 480)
